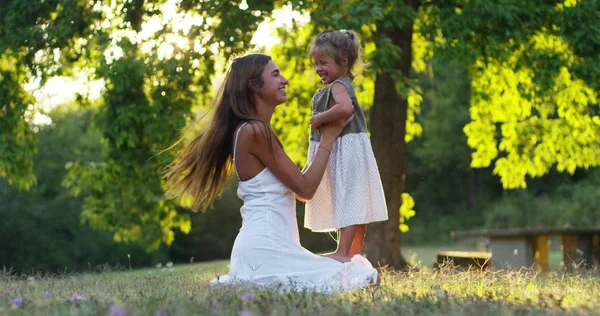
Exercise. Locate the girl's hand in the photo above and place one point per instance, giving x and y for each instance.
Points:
(330, 131)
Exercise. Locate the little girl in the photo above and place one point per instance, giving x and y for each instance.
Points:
(350, 194)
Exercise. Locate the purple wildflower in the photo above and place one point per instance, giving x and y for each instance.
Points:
(117, 311)
(161, 312)
(215, 307)
(76, 298)
(17, 301)
(247, 297)
(46, 294)
(5, 293)
(245, 313)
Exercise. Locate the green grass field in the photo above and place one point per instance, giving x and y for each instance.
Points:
(184, 290)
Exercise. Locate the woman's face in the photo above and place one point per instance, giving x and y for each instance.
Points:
(273, 89)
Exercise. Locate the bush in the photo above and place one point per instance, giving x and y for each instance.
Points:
(576, 204)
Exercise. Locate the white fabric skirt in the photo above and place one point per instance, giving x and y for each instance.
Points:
(351, 192)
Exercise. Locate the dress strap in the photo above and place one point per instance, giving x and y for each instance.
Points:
(237, 134)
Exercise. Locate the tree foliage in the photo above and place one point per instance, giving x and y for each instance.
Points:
(37, 39)
(19, 142)
(40, 228)
(534, 83)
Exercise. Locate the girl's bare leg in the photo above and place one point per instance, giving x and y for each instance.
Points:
(357, 242)
(342, 254)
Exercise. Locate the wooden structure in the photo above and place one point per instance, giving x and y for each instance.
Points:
(526, 247)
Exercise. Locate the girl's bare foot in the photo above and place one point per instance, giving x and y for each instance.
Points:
(337, 257)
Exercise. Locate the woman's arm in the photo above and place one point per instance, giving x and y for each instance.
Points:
(300, 199)
(304, 185)
(342, 109)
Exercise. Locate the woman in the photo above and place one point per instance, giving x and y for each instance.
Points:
(267, 250)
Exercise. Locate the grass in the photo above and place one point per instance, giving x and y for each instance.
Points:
(184, 290)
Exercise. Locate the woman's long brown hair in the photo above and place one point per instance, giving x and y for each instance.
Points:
(201, 169)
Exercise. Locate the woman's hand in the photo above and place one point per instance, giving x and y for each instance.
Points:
(315, 123)
(329, 132)
(253, 142)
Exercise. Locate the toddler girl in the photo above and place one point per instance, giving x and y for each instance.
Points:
(350, 194)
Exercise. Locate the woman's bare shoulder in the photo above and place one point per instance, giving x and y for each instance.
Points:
(255, 131)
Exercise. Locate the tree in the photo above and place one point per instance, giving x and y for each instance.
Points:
(40, 229)
(538, 39)
(534, 86)
(36, 39)
(153, 82)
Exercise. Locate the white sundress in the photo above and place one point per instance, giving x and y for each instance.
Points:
(267, 250)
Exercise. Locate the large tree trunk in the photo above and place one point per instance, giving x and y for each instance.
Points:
(388, 128)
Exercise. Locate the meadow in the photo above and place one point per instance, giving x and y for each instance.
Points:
(183, 289)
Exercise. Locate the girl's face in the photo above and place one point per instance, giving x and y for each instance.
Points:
(328, 69)
(273, 89)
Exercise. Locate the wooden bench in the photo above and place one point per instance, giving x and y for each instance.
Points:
(464, 259)
(527, 247)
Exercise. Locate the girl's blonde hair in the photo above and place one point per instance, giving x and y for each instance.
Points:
(203, 166)
(338, 44)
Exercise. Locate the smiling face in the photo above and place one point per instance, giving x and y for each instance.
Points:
(327, 68)
(273, 87)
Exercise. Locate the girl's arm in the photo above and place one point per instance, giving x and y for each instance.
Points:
(303, 184)
(342, 109)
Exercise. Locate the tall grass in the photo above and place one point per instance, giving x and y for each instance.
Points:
(184, 290)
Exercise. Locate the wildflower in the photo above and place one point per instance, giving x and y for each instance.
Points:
(169, 264)
(161, 312)
(215, 307)
(158, 265)
(46, 294)
(117, 311)
(529, 289)
(5, 293)
(441, 294)
(18, 301)
(245, 313)
(247, 297)
(76, 298)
